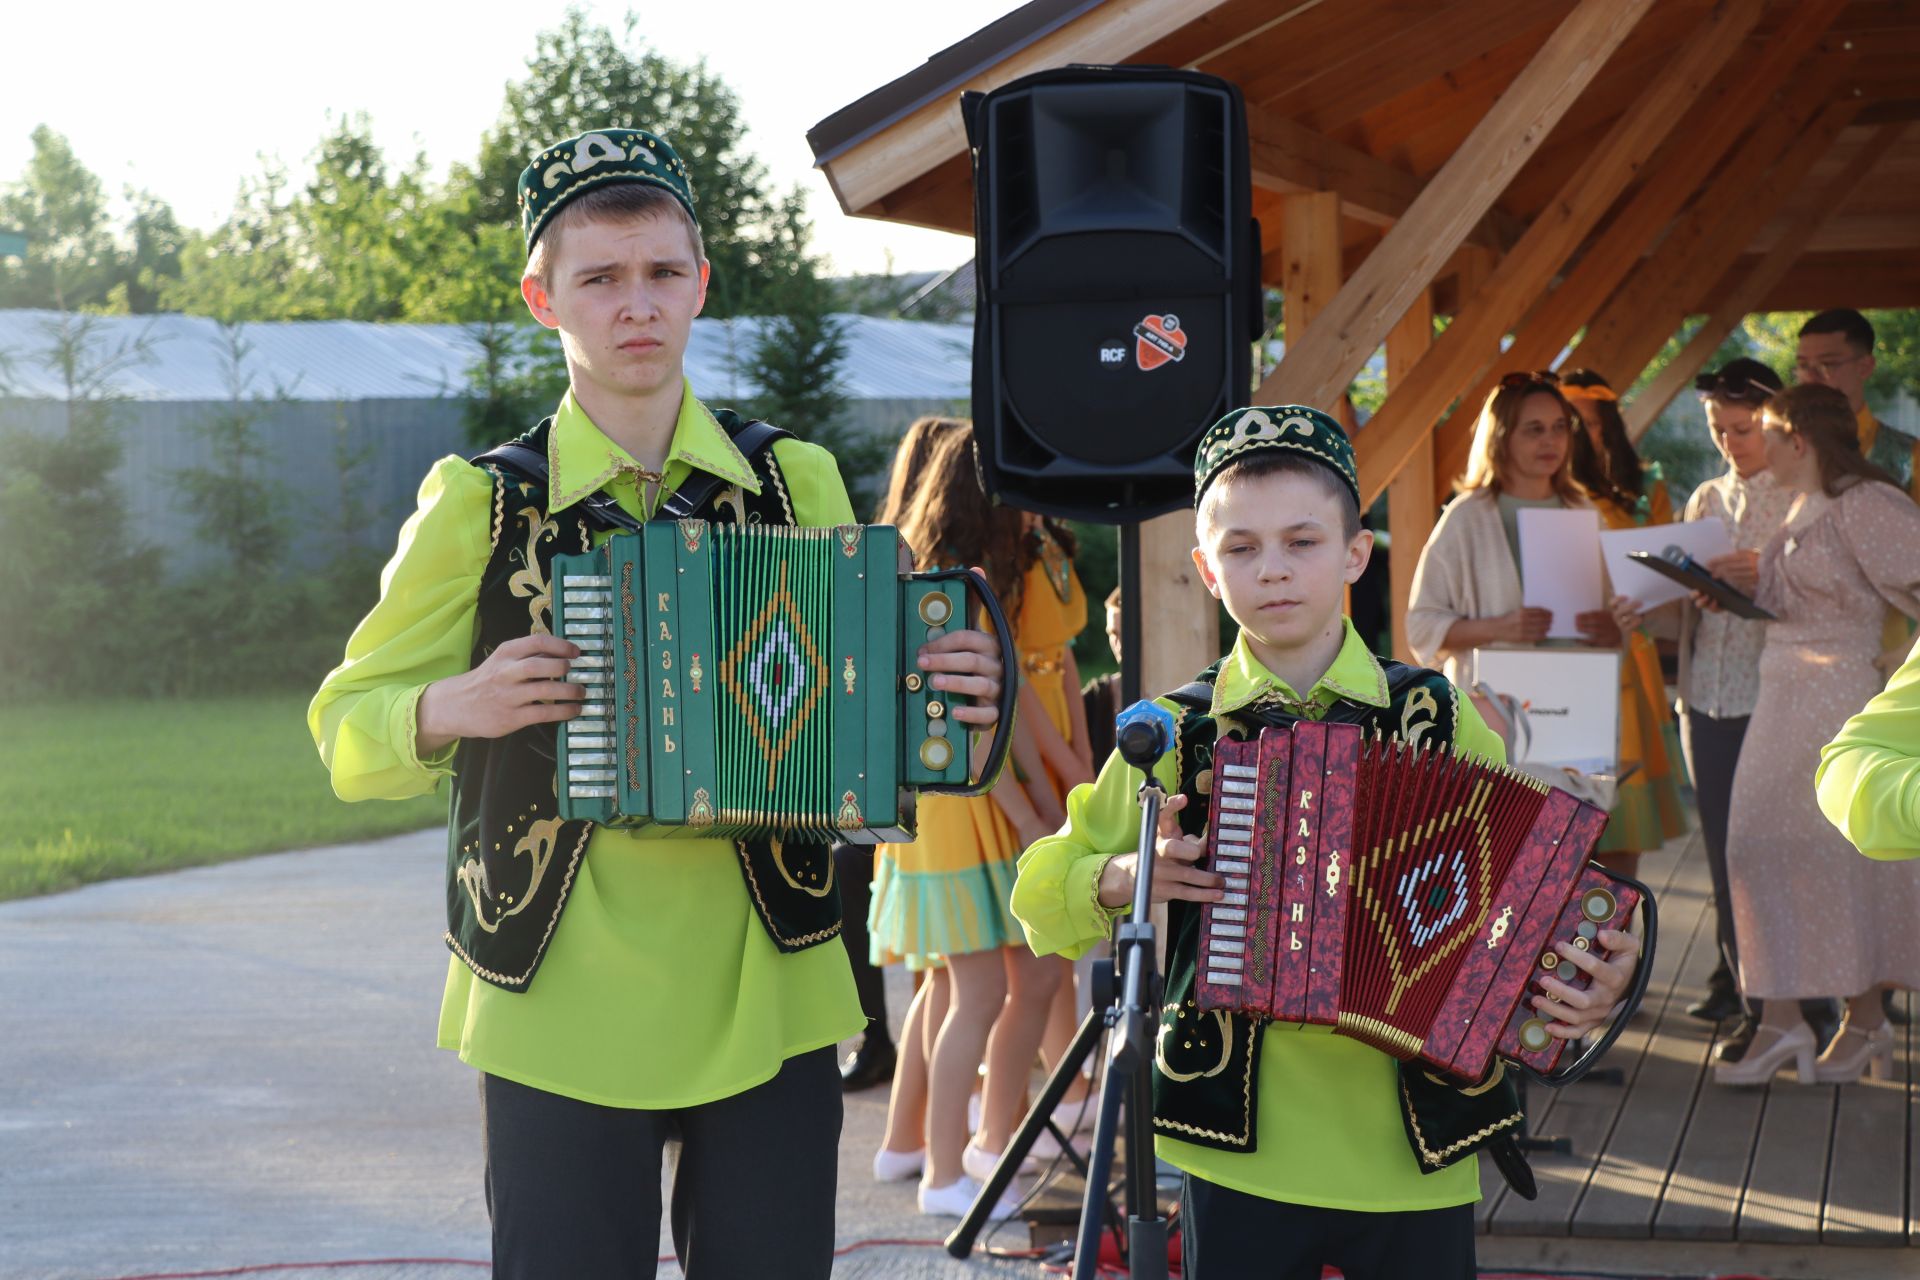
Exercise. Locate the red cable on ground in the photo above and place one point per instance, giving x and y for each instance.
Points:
(1105, 1268)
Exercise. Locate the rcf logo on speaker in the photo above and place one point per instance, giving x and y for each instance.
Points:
(1159, 340)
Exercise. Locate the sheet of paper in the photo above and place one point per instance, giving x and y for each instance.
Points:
(1560, 565)
(1701, 539)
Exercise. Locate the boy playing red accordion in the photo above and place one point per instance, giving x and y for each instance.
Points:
(1301, 1148)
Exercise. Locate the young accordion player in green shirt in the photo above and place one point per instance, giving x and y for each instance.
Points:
(1302, 1149)
(615, 987)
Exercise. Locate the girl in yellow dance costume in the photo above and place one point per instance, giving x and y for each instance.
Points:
(944, 898)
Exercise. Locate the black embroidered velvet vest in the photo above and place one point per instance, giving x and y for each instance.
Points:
(1207, 1064)
(511, 860)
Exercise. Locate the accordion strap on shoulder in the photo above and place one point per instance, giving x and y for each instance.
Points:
(1195, 695)
(752, 438)
(531, 464)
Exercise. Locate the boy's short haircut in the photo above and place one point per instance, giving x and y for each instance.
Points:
(1273, 462)
(1848, 323)
(614, 202)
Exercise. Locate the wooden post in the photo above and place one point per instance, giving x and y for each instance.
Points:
(1310, 278)
(1812, 209)
(1318, 369)
(1410, 504)
(1180, 626)
(1472, 341)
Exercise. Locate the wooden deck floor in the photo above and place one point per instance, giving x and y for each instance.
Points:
(1670, 1156)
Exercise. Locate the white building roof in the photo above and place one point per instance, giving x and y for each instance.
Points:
(346, 360)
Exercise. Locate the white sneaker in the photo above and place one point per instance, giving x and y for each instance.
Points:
(954, 1199)
(898, 1166)
(979, 1162)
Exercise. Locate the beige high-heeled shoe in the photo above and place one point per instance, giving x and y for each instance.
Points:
(1765, 1058)
(1863, 1051)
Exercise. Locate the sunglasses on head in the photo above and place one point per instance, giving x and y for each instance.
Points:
(1538, 378)
(1732, 386)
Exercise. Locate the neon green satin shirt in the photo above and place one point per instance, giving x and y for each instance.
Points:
(1329, 1127)
(660, 988)
(1869, 776)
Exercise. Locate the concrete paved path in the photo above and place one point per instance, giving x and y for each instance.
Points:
(183, 1087)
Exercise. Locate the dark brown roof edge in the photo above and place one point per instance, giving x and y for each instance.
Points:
(941, 74)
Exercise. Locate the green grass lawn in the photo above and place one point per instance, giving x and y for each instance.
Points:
(95, 790)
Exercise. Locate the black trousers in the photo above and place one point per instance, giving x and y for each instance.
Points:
(1230, 1235)
(574, 1189)
(853, 870)
(1712, 748)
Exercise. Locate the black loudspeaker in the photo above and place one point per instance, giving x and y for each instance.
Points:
(1118, 282)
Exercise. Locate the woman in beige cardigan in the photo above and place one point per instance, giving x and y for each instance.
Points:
(1466, 590)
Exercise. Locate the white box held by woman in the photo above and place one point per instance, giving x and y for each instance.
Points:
(1572, 699)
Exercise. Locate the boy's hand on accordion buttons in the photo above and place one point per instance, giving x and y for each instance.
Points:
(1174, 872)
(1576, 1012)
(522, 682)
(966, 664)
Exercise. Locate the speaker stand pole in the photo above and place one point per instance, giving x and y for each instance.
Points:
(1131, 610)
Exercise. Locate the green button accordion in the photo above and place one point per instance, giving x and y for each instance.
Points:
(762, 680)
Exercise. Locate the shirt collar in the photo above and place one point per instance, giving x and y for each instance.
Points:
(581, 459)
(1355, 675)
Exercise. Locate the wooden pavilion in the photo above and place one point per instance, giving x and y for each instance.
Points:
(1545, 173)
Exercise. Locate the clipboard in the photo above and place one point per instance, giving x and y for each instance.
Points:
(1691, 574)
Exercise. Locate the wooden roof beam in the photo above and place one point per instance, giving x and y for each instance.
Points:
(863, 175)
(1289, 159)
(1398, 55)
(1808, 210)
(1671, 284)
(1738, 97)
(1318, 369)
(1472, 341)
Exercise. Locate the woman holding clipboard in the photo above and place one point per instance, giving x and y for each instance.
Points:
(1814, 918)
(1720, 653)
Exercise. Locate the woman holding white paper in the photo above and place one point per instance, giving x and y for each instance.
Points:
(1812, 916)
(1630, 493)
(1467, 590)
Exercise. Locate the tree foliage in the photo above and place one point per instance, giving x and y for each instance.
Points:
(76, 577)
(73, 259)
(584, 76)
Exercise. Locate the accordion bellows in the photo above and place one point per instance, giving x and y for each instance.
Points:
(757, 680)
(1407, 897)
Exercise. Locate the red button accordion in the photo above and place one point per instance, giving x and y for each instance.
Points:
(1407, 897)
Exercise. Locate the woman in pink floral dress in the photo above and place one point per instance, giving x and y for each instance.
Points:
(1812, 917)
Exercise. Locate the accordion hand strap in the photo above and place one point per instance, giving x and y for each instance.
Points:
(1009, 685)
(1650, 931)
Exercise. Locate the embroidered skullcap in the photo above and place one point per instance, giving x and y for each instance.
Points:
(567, 169)
(1287, 428)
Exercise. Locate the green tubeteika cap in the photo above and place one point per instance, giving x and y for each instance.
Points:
(1286, 428)
(567, 169)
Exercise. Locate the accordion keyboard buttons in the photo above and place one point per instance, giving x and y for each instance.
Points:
(588, 625)
(1233, 804)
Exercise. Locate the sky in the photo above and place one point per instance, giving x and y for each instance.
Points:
(182, 99)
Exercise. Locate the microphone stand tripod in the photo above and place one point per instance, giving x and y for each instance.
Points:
(1126, 1093)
